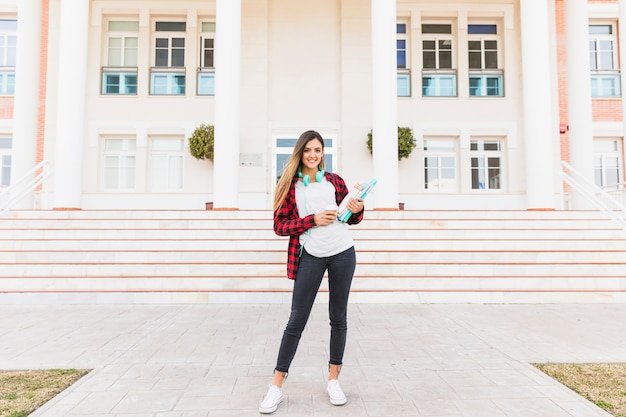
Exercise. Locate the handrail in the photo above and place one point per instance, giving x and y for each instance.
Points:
(14, 193)
(607, 204)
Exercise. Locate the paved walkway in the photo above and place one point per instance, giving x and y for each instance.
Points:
(401, 360)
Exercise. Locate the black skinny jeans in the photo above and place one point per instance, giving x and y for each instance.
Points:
(310, 273)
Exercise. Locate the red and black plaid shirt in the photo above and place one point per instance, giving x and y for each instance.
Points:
(287, 221)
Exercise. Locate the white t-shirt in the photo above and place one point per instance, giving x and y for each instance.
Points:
(321, 241)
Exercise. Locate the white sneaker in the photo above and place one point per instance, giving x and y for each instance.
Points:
(273, 397)
(337, 397)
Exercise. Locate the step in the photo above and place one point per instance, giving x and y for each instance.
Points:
(220, 256)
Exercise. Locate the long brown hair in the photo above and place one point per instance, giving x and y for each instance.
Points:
(293, 166)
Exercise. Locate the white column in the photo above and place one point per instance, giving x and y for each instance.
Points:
(70, 107)
(622, 53)
(26, 101)
(539, 129)
(385, 104)
(227, 90)
(580, 114)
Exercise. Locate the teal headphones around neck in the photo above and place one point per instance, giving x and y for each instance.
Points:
(319, 175)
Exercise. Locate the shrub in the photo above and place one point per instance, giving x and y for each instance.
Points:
(406, 142)
(201, 143)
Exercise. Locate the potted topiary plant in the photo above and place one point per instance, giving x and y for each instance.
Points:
(201, 142)
(201, 146)
(406, 142)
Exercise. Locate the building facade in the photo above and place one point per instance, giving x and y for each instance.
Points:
(496, 93)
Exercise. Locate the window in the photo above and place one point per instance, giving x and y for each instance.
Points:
(167, 77)
(605, 77)
(402, 60)
(8, 49)
(485, 78)
(119, 75)
(118, 166)
(166, 164)
(206, 71)
(440, 157)
(5, 161)
(607, 163)
(438, 74)
(284, 149)
(486, 161)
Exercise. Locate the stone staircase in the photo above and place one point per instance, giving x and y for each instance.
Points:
(111, 256)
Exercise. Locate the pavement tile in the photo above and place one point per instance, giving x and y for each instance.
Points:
(216, 360)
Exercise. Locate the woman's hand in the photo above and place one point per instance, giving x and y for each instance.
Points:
(356, 205)
(325, 218)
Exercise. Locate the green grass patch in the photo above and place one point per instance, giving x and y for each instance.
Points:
(22, 392)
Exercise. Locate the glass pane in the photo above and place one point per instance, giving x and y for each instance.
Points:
(128, 172)
(110, 174)
(597, 171)
(208, 59)
(179, 84)
(612, 170)
(427, 86)
(130, 84)
(328, 161)
(121, 26)
(401, 59)
(111, 84)
(208, 27)
(491, 145)
(281, 161)
(130, 52)
(158, 172)
(482, 29)
(6, 170)
(474, 46)
(475, 60)
(447, 87)
(166, 144)
(448, 165)
(493, 86)
(593, 60)
(178, 57)
(431, 172)
(206, 84)
(161, 58)
(6, 143)
(404, 85)
(115, 52)
(171, 26)
(475, 86)
(478, 174)
(494, 173)
(600, 29)
(439, 145)
(491, 59)
(429, 60)
(8, 25)
(114, 144)
(178, 42)
(605, 146)
(445, 60)
(162, 43)
(606, 60)
(175, 180)
(286, 143)
(434, 28)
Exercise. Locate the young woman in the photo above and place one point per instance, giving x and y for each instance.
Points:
(305, 209)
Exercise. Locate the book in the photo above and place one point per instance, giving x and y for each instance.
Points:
(359, 191)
